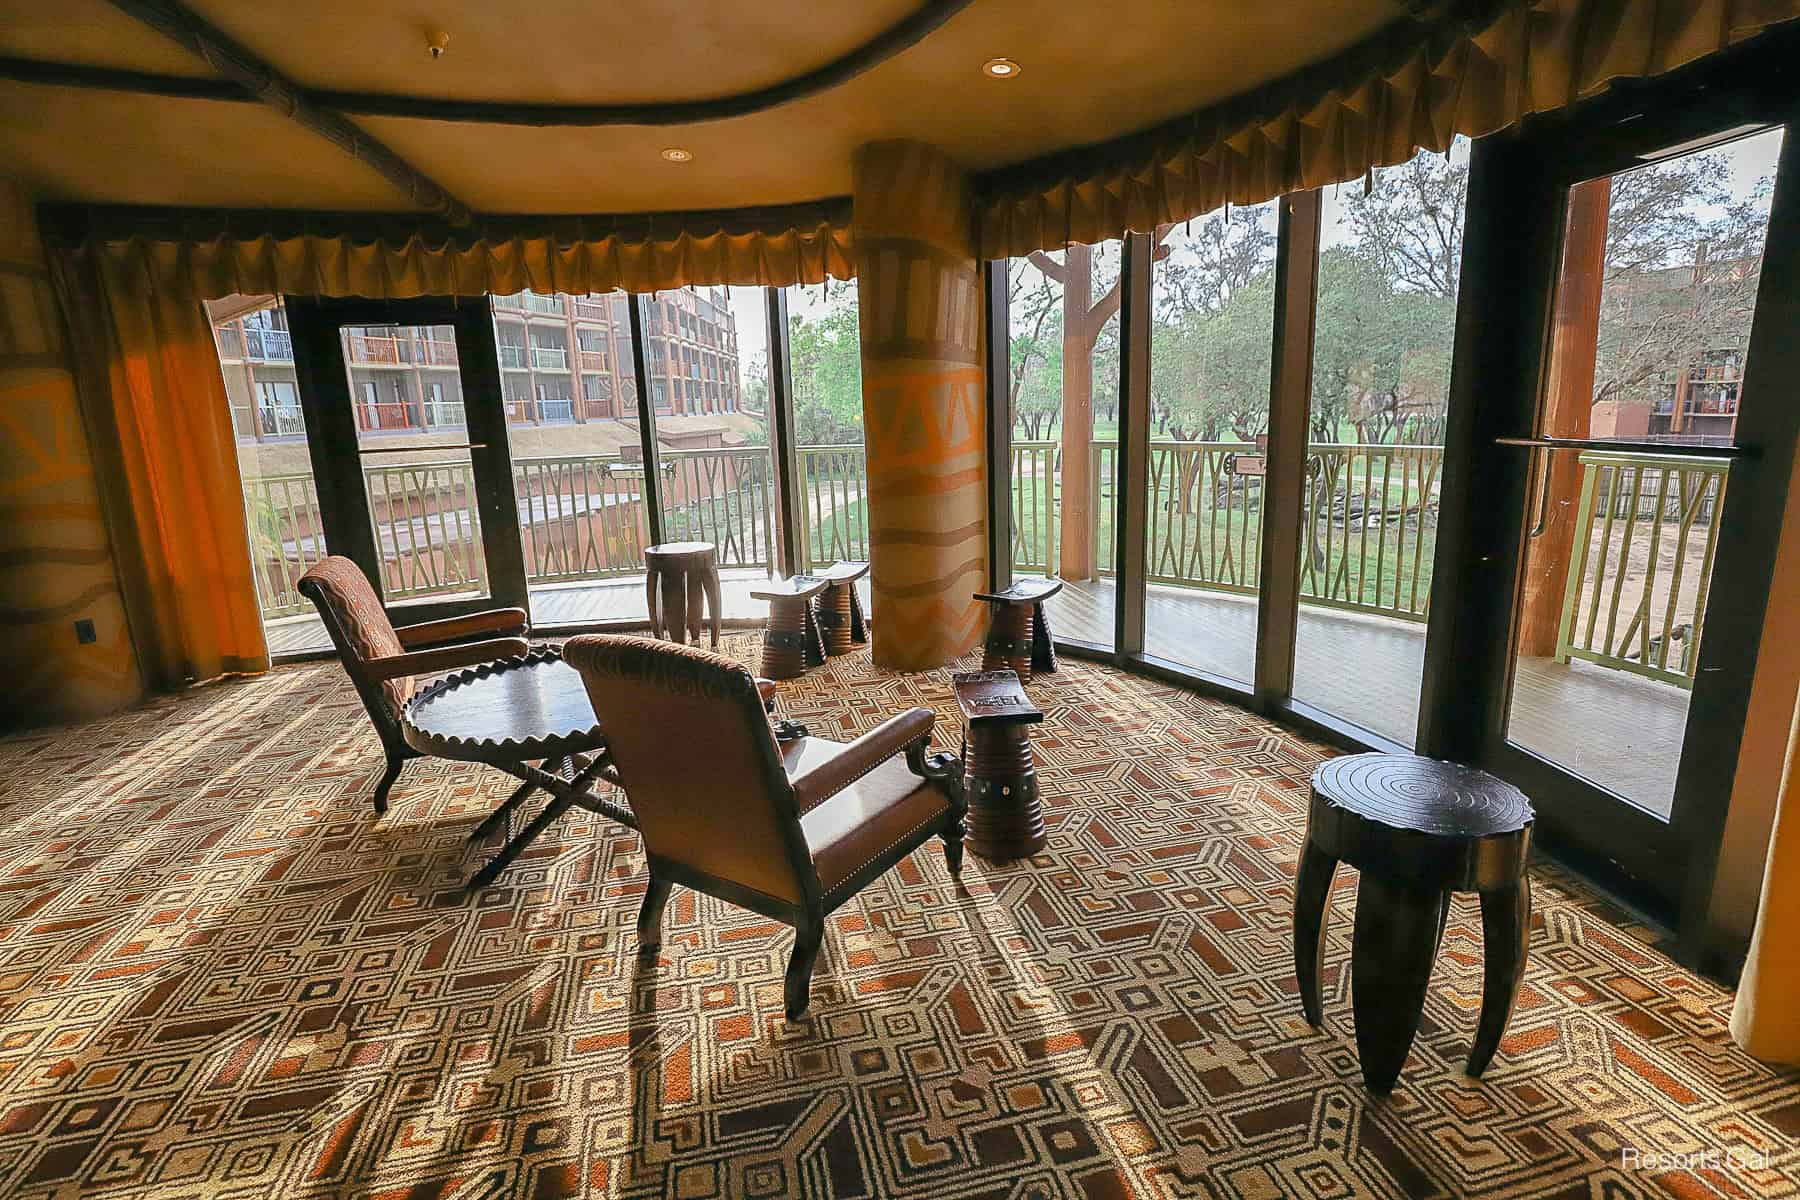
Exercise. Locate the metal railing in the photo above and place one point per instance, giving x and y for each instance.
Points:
(549, 358)
(722, 496)
(834, 489)
(1370, 516)
(1646, 532)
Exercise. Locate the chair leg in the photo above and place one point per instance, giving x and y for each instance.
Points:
(394, 763)
(798, 989)
(1312, 911)
(649, 923)
(1505, 935)
(953, 835)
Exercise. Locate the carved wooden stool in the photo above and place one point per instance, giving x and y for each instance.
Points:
(840, 608)
(1018, 633)
(684, 577)
(792, 642)
(1005, 819)
(1418, 829)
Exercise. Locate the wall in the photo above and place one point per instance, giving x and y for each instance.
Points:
(55, 564)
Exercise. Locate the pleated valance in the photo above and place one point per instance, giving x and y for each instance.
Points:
(1413, 86)
(394, 256)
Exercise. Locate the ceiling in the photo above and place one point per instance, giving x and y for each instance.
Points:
(1090, 72)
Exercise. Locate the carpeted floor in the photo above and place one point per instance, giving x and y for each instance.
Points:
(220, 975)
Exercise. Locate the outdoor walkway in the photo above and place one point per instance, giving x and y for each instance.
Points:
(1612, 727)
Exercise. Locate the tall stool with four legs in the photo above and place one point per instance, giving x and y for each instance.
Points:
(681, 583)
(1418, 829)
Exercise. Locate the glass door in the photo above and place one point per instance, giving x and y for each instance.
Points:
(1618, 680)
(409, 448)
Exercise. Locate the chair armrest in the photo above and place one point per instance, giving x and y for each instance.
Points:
(444, 658)
(867, 752)
(502, 621)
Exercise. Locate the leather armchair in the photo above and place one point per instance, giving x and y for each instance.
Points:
(790, 830)
(385, 662)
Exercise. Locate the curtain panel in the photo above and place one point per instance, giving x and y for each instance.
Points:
(154, 403)
(1413, 86)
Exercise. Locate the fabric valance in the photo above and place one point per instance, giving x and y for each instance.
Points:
(393, 256)
(1414, 86)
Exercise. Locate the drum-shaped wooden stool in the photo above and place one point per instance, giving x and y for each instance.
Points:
(1418, 829)
(681, 584)
(1018, 632)
(1006, 819)
(792, 642)
(840, 608)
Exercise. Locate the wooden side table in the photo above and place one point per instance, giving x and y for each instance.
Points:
(840, 608)
(1418, 829)
(1005, 819)
(681, 582)
(1018, 632)
(792, 642)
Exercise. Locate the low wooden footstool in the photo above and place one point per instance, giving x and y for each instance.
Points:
(840, 608)
(1418, 829)
(681, 582)
(1018, 633)
(1005, 820)
(792, 642)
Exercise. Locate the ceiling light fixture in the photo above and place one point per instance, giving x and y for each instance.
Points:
(678, 154)
(1000, 68)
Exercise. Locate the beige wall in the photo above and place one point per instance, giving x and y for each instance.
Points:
(55, 564)
(1752, 815)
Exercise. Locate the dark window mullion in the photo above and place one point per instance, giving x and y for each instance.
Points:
(646, 411)
(1131, 501)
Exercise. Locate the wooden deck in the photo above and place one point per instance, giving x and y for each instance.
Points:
(1615, 728)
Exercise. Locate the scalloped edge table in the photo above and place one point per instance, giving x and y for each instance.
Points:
(508, 714)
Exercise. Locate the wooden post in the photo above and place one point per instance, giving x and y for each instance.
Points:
(1076, 560)
(1568, 406)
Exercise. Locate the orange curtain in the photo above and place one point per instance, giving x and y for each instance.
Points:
(156, 410)
(1412, 86)
(1765, 1019)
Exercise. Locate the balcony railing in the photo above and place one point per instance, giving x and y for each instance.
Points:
(549, 358)
(1646, 532)
(834, 503)
(268, 345)
(513, 358)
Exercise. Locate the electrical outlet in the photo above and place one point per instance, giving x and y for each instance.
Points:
(84, 631)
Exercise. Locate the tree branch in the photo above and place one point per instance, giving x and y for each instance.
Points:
(1049, 266)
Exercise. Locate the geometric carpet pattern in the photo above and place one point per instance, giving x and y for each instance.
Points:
(221, 975)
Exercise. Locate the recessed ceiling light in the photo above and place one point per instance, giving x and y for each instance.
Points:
(1000, 68)
(678, 154)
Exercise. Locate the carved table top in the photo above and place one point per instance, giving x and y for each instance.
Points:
(505, 712)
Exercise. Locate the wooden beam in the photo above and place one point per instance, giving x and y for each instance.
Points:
(240, 66)
(107, 79)
(169, 18)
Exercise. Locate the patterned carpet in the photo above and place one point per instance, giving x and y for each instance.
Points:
(221, 976)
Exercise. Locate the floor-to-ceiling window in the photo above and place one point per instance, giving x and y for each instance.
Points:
(831, 487)
(569, 382)
(1063, 378)
(1390, 257)
(1213, 297)
(281, 501)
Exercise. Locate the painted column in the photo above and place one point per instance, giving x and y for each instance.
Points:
(919, 291)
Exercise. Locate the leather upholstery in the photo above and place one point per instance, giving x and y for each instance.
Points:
(848, 830)
(357, 623)
(715, 793)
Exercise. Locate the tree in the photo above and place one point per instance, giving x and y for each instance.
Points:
(1411, 223)
(827, 365)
